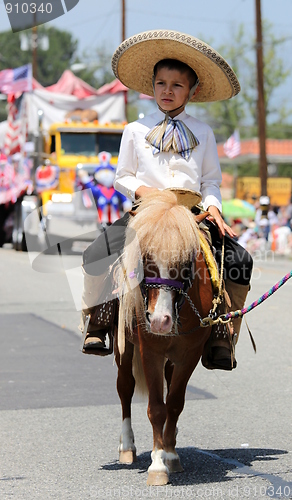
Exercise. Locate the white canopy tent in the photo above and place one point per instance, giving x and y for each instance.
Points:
(55, 106)
(68, 94)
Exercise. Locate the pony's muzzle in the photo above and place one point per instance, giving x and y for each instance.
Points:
(160, 324)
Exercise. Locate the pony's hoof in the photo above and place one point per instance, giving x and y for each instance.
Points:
(174, 465)
(157, 478)
(127, 457)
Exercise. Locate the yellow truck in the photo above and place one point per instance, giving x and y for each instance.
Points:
(279, 189)
(73, 144)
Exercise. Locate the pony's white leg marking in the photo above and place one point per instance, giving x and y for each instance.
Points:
(158, 461)
(161, 319)
(158, 470)
(127, 448)
(172, 458)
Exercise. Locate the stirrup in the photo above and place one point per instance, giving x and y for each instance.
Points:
(221, 358)
(219, 353)
(97, 348)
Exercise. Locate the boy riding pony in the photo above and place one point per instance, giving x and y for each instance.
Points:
(169, 149)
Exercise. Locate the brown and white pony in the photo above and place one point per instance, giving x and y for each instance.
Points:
(164, 289)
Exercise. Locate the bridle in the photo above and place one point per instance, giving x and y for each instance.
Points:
(180, 288)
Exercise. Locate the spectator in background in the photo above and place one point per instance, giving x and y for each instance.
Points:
(265, 217)
(289, 214)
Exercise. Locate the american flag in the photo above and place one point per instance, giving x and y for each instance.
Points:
(232, 146)
(16, 80)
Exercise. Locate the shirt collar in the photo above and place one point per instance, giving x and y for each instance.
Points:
(182, 116)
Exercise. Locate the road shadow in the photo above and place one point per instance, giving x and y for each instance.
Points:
(206, 466)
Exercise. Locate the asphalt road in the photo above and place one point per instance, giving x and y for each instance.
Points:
(60, 417)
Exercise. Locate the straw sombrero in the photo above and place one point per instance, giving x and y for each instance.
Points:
(186, 197)
(135, 58)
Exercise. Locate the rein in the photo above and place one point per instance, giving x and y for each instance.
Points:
(225, 318)
(211, 319)
(181, 288)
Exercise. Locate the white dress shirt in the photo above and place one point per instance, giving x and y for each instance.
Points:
(137, 166)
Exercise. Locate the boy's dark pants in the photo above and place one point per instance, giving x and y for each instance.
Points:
(96, 257)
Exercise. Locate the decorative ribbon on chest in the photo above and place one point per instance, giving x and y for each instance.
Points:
(172, 135)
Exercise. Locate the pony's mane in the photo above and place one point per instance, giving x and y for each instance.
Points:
(164, 231)
(164, 228)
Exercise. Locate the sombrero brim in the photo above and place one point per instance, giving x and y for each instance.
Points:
(135, 58)
(186, 197)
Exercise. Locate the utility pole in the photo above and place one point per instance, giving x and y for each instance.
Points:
(34, 45)
(123, 20)
(34, 42)
(261, 101)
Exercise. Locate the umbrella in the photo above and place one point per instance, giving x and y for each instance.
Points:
(236, 209)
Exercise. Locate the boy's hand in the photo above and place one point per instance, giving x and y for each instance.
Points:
(221, 224)
(143, 191)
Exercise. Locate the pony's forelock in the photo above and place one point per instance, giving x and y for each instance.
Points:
(165, 230)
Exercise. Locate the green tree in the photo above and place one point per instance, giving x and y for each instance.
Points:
(225, 116)
(241, 112)
(51, 63)
(275, 74)
(97, 69)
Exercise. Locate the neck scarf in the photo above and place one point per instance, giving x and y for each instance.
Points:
(173, 135)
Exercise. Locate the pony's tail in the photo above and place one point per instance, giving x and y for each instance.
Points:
(138, 372)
